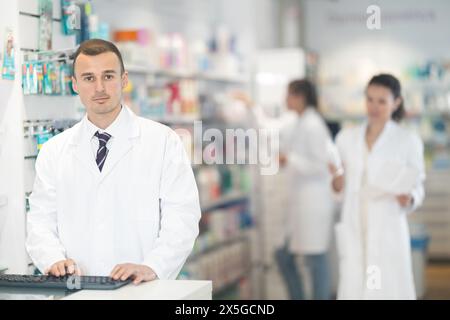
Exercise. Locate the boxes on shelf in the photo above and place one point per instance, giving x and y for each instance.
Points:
(175, 100)
(217, 181)
(40, 131)
(225, 266)
(47, 77)
(171, 52)
(222, 226)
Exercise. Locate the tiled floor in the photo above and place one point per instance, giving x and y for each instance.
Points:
(438, 281)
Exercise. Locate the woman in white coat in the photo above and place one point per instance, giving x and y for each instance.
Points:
(304, 143)
(381, 179)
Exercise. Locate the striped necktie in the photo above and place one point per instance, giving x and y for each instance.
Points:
(102, 151)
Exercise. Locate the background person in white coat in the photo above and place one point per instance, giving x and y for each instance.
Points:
(304, 143)
(382, 181)
(114, 195)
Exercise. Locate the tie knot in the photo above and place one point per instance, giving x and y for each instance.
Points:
(102, 137)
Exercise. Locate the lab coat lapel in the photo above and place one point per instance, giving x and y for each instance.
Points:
(121, 147)
(82, 148)
(123, 143)
(383, 138)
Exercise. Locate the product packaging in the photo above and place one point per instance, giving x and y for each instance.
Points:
(41, 138)
(26, 78)
(8, 68)
(65, 76)
(39, 76)
(70, 14)
(45, 24)
(85, 12)
(32, 77)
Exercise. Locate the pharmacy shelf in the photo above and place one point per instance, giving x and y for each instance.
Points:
(427, 84)
(241, 79)
(218, 246)
(219, 78)
(234, 277)
(362, 117)
(241, 237)
(230, 285)
(175, 120)
(137, 69)
(344, 117)
(227, 200)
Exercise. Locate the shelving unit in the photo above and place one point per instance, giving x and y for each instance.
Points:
(240, 237)
(225, 201)
(187, 75)
(203, 262)
(200, 265)
(226, 263)
(434, 214)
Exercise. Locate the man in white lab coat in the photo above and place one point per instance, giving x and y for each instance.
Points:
(114, 195)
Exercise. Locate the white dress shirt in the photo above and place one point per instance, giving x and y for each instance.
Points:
(113, 130)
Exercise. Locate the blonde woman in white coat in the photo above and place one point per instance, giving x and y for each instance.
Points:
(381, 179)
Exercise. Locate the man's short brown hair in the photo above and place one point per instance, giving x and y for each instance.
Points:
(95, 47)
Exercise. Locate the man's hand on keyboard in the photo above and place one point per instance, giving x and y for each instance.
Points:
(137, 272)
(63, 267)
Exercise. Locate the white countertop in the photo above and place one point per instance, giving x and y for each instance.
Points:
(154, 290)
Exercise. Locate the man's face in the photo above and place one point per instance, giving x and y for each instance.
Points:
(98, 82)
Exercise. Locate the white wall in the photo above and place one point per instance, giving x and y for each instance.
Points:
(411, 32)
(12, 215)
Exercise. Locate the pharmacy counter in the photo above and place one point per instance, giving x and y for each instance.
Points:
(154, 290)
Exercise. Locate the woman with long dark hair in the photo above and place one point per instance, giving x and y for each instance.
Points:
(381, 179)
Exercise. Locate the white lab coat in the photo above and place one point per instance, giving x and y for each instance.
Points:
(306, 141)
(142, 208)
(382, 269)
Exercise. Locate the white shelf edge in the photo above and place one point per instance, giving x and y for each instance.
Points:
(188, 75)
(175, 119)
(242, 236)
(223, 200)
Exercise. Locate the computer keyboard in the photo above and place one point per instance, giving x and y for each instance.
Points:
(66, 282)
